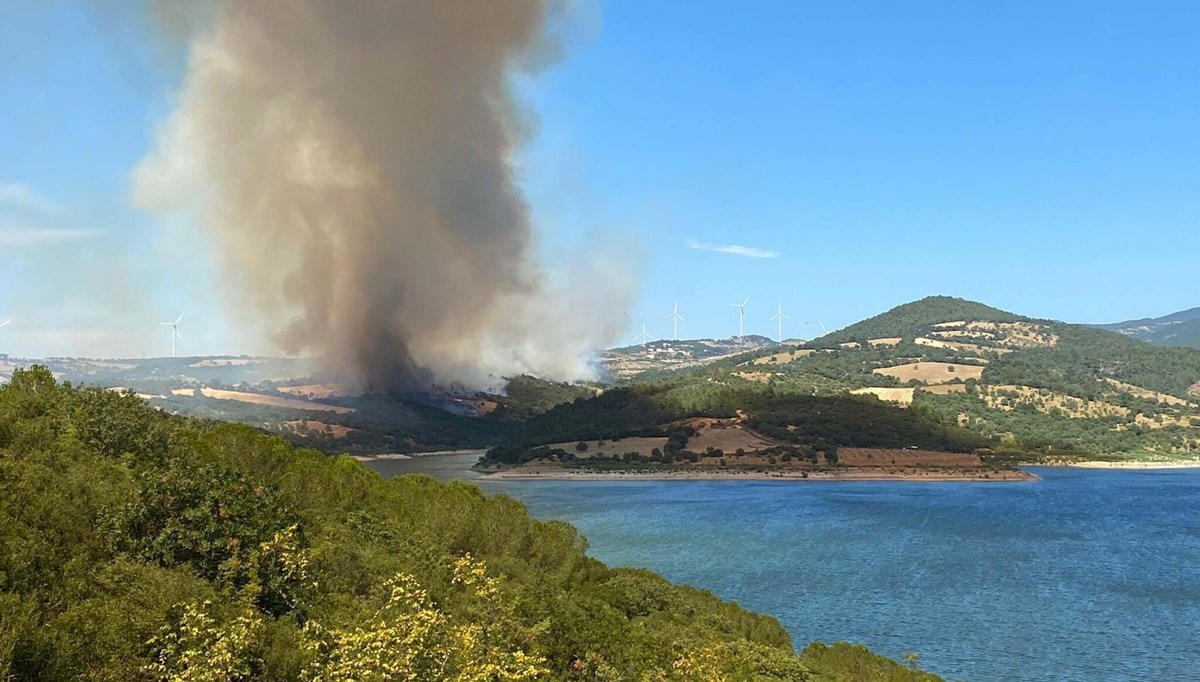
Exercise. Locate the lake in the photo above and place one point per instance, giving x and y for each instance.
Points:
(1083, 576)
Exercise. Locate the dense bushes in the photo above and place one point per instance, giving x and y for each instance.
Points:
(135, 546)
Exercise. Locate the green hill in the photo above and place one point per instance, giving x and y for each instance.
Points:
(1062, 389)
(139, 546)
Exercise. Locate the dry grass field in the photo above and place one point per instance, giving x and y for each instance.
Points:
(727, 435)
(932, 372)
(757, 377)
(902, 396)
(311, 426)
(1195, 389)
(258, 399)
(880, 457)
(1008, 397)
(608, 448)
(945, 389)
(784, 357)
(885, 343)
(963, 347)
(315, 390)
(1140, 392)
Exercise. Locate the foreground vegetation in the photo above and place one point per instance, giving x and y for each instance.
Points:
(140, 546)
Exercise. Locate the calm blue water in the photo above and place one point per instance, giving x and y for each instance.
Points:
(1083, 576)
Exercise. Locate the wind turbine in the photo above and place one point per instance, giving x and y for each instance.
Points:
(4, 322)
(644, 336)
(741, 317)
(174, 332)
(781, 317)
(824, 331)
(678, 318)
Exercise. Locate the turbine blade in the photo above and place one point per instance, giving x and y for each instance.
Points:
(179, 318)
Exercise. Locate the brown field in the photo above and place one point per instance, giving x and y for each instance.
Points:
(270, 400)
(880, 457)
(950, 325)
(850, 344)
(945, 389)
(310, 426)
(932, 372)
(1195, 389)
(727, 435)
(1045, 401)
(221, 362)
(903, 396)
(887, 342)
(608, 448)
(783, 358)
(315, 390)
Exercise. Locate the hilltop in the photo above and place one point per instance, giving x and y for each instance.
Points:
(1058, 389)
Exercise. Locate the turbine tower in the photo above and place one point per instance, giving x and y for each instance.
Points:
(781, 317)
(678, 318)
(741, 317)
(644, 336)
(174, 332)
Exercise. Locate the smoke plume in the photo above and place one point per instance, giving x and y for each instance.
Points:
(354, 164)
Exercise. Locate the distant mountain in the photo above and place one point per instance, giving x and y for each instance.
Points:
(1177, 329)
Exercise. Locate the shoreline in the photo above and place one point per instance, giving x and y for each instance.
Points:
(1133, 464)
(478, 452)
(859, 474)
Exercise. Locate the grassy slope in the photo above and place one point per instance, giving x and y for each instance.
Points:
(138, 546)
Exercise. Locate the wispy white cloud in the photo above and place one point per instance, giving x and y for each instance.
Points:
(22, 196)
(29, 236)
(733, 249)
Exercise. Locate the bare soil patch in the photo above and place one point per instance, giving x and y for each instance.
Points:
(727, 435)
(783, 358)
(932, 372)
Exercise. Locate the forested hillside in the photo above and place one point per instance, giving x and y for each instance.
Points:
(817, 421)
(139, 546)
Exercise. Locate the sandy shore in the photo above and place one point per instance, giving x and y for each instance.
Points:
(1181, 464)
(863, 474)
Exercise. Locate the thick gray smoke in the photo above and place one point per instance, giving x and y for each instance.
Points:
(354, 163)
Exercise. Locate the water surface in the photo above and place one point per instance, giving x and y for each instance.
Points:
(1083, 576)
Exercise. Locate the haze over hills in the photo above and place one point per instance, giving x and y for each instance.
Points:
(1177, 329)
(1065, 389)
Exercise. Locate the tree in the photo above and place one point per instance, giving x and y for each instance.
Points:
(581, 446)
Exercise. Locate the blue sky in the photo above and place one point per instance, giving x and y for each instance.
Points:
(1040, 157)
